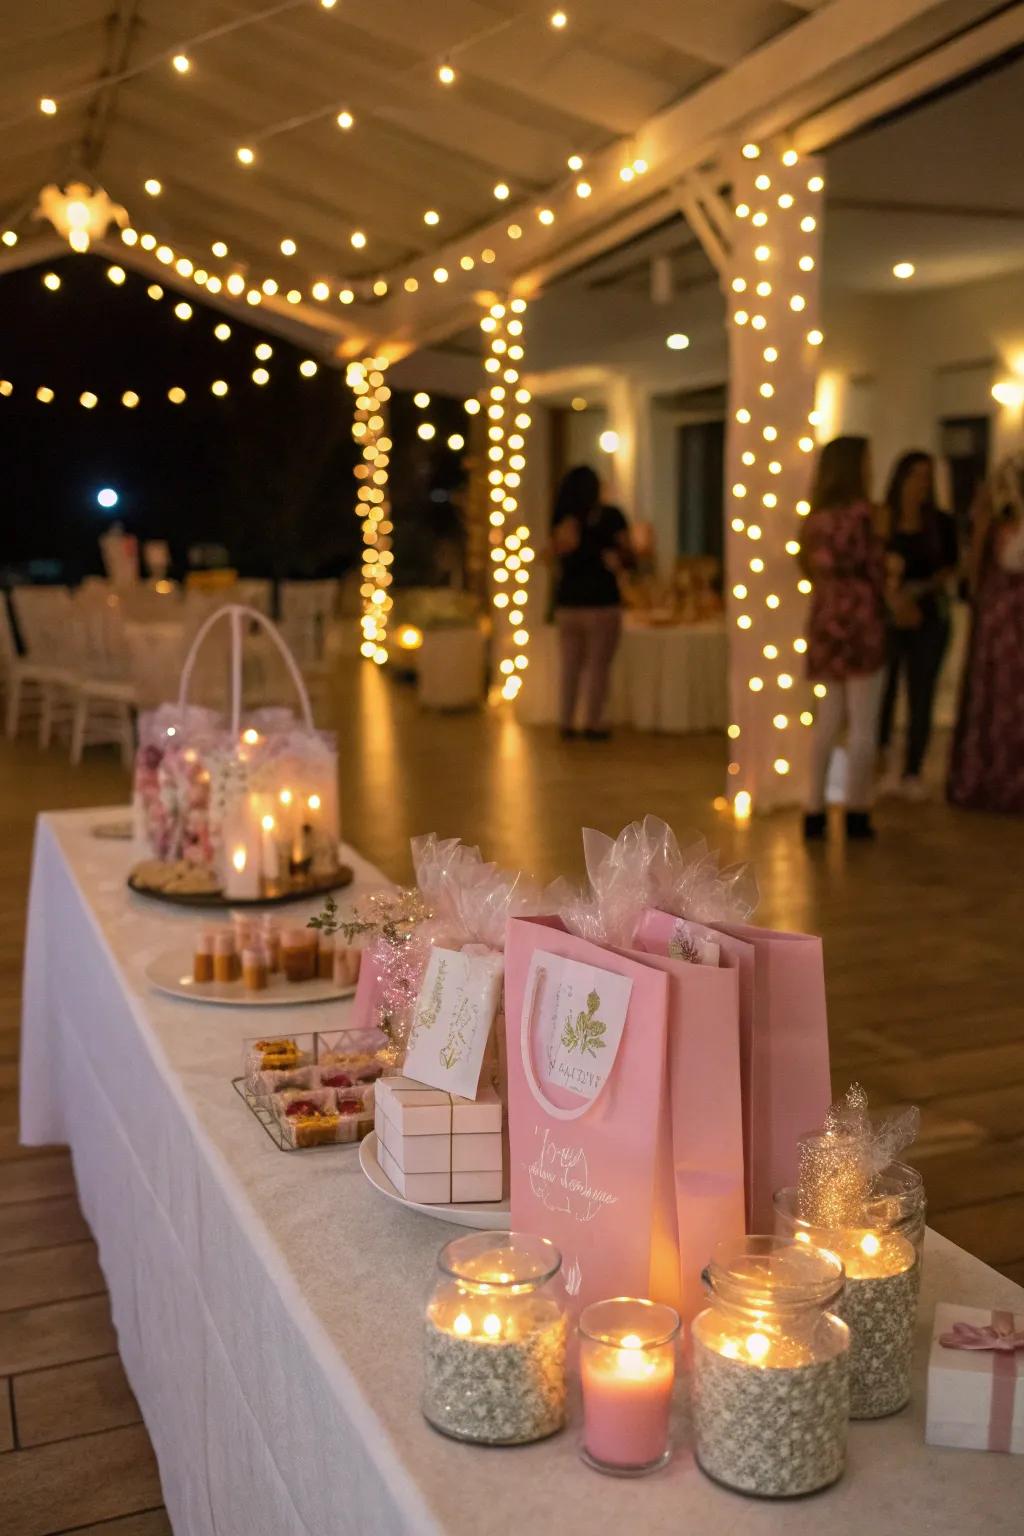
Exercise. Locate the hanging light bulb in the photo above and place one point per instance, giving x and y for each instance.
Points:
(182, 63)
(445, 73)
(245, 155)
(345, 120)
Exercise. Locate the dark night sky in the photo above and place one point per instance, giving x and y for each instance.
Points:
(266, 471)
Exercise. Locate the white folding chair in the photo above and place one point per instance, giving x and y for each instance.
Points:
(43, 615)
(105, 695)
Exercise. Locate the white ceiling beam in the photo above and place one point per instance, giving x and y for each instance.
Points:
(800, 62)
(949, 60)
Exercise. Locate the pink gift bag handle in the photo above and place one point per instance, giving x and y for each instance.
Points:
(556, 1111)
(236, 613)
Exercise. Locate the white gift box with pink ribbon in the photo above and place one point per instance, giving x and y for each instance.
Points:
(976, 1379)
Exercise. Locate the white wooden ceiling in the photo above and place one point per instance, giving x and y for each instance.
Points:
(672, 80)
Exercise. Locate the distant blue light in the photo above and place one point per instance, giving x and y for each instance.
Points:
(108, 497)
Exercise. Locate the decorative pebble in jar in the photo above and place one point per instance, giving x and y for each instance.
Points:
(879, 1303)
(495, 1339)
(770, 1378)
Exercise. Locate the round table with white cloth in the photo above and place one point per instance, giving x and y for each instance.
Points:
(670, 677)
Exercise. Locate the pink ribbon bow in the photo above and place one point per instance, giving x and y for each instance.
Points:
(999, 1334)
(1003, 1339)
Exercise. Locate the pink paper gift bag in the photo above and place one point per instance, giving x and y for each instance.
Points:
(783, 1054)
(783, 1038)
(706, 1111)
(594, 1177)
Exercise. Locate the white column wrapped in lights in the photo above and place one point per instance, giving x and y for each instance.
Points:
(772, 295)
(369, 429)
(511, 553)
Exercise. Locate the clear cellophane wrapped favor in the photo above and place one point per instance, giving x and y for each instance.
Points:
(459, 902)
(645, 867)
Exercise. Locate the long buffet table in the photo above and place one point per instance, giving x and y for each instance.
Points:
(268, 1305)
(668, 678)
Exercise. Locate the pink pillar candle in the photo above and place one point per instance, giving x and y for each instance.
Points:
(628, 1368)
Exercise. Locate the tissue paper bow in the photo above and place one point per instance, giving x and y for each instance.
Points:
(645, 867)
(999, 1335)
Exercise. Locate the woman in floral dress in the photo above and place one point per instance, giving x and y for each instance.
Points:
(986, 770)
(842, 554)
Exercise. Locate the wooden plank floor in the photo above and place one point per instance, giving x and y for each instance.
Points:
(922, 934)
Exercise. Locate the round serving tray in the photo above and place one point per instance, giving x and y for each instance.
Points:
(492, 1216)
(171, 972)
(297, 890)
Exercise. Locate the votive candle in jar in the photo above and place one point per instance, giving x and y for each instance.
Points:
(628, 1370)
(770, 1380)
(883, 1282)
(495, 1340)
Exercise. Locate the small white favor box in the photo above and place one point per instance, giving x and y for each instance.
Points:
(975, 1396)
(435, 1147)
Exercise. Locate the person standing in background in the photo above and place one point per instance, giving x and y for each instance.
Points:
(842, 554)
(590, 546)
(986, 771)
(923, 541)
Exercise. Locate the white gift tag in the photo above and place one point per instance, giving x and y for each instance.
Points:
(452, 1020)
(579, 1016)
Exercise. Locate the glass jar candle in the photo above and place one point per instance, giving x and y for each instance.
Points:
(879, 1302)
(494, 1361)
(628, 1370)
(770, 1369)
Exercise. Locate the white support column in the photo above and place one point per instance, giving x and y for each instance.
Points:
(772, 285)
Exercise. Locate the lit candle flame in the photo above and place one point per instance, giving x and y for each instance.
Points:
(267, 823)
(462, 1324)
(285, 797)
(251, 736)
(313, 802)
(238, 859)
(869, 1244)
(492, 1325)
(757, 1346)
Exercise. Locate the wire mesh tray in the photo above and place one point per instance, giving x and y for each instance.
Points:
(272, 1125)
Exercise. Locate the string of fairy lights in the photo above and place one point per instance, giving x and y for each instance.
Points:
(373, 508)
(129, 398)
(239, 282)
(511, 551)
(767, 301)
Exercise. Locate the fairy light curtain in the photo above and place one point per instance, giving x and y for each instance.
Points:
(773, 302)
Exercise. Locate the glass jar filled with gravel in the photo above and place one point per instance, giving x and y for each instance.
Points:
(770, 1369)
(495, 1338)
(883, 1281)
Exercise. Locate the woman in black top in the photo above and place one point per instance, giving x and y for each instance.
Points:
(922, 555)
(590, 543)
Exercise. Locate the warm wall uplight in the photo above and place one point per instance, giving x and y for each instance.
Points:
(1008, 392)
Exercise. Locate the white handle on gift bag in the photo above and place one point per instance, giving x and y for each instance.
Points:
(556, 1111)
(237, 613)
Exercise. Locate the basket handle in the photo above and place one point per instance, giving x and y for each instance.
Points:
(236, 613)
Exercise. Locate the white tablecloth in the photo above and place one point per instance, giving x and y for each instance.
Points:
(664, 678)
(268, 1305)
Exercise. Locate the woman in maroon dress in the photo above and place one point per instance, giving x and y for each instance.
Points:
(843, 555)
(986, 771)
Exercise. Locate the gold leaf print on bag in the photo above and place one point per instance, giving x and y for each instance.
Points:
(585, 1033)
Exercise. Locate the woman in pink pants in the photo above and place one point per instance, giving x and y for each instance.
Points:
(591, 545)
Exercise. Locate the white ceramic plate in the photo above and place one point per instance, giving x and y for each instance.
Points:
(492, 1216)
(172, 972)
